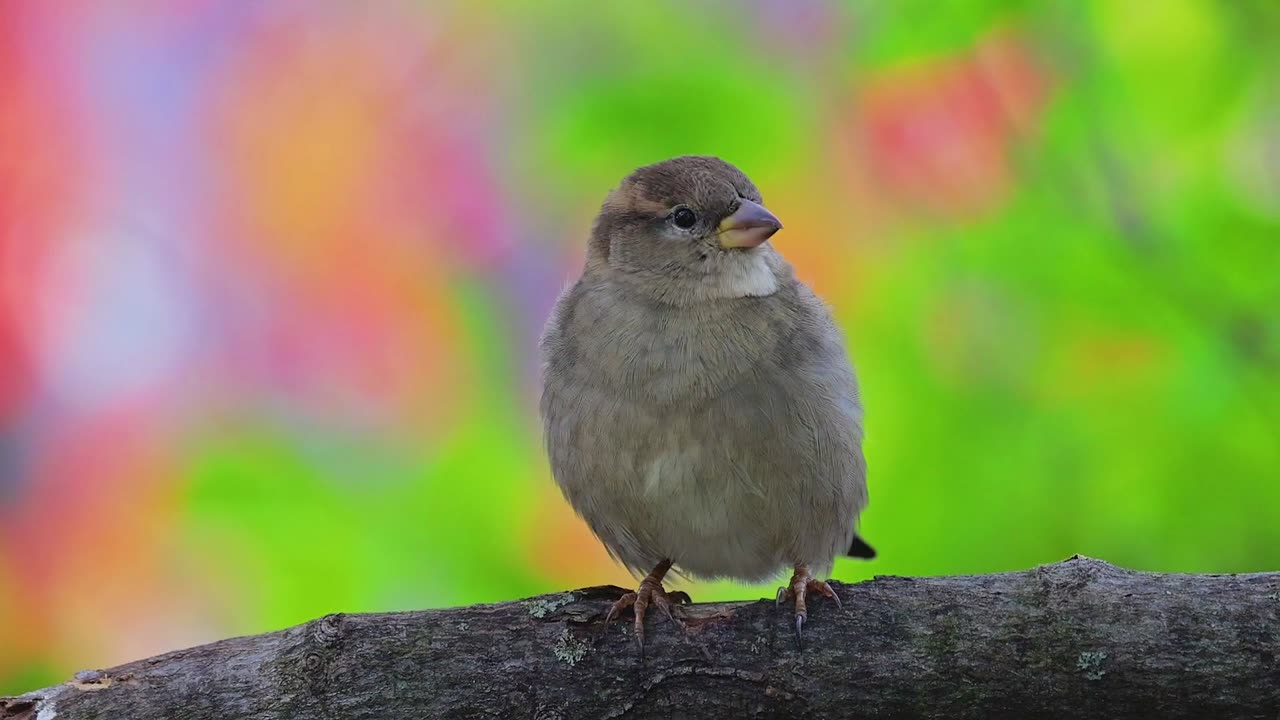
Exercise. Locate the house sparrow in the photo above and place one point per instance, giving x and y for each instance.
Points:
(698, 406)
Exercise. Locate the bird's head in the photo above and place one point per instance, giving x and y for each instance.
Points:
(685, 230)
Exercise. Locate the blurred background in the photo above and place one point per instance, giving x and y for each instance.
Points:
(272, 276)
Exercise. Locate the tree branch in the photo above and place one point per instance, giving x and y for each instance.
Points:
(1075, 639)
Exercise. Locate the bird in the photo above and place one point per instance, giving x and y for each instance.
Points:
(699, 408)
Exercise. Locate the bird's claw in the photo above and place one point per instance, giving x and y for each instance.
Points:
(649, 593)
(802, 583)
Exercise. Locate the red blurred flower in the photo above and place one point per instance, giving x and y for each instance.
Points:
(937, 135)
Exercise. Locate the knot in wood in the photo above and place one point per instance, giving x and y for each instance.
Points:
(323, 644)
(327, 631)
(312, 662)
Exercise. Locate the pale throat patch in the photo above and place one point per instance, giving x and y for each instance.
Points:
(745, 274)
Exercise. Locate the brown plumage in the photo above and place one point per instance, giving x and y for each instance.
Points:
(698, 405)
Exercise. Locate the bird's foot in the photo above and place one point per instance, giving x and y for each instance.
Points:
(650, 593)
(802, 583)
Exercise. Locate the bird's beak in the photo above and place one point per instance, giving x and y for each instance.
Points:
(749, 226)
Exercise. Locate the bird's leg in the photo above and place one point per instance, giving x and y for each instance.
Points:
(649, 593)
(802, 583)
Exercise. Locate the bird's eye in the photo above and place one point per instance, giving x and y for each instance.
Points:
(684, 218)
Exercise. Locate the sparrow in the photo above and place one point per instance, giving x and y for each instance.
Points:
(699, 409)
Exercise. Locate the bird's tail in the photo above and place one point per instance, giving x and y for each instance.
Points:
(860, 549)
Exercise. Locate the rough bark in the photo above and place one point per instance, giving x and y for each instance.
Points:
(1075, 639)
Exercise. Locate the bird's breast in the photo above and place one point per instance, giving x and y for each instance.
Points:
(679, 355)
(673, 469)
